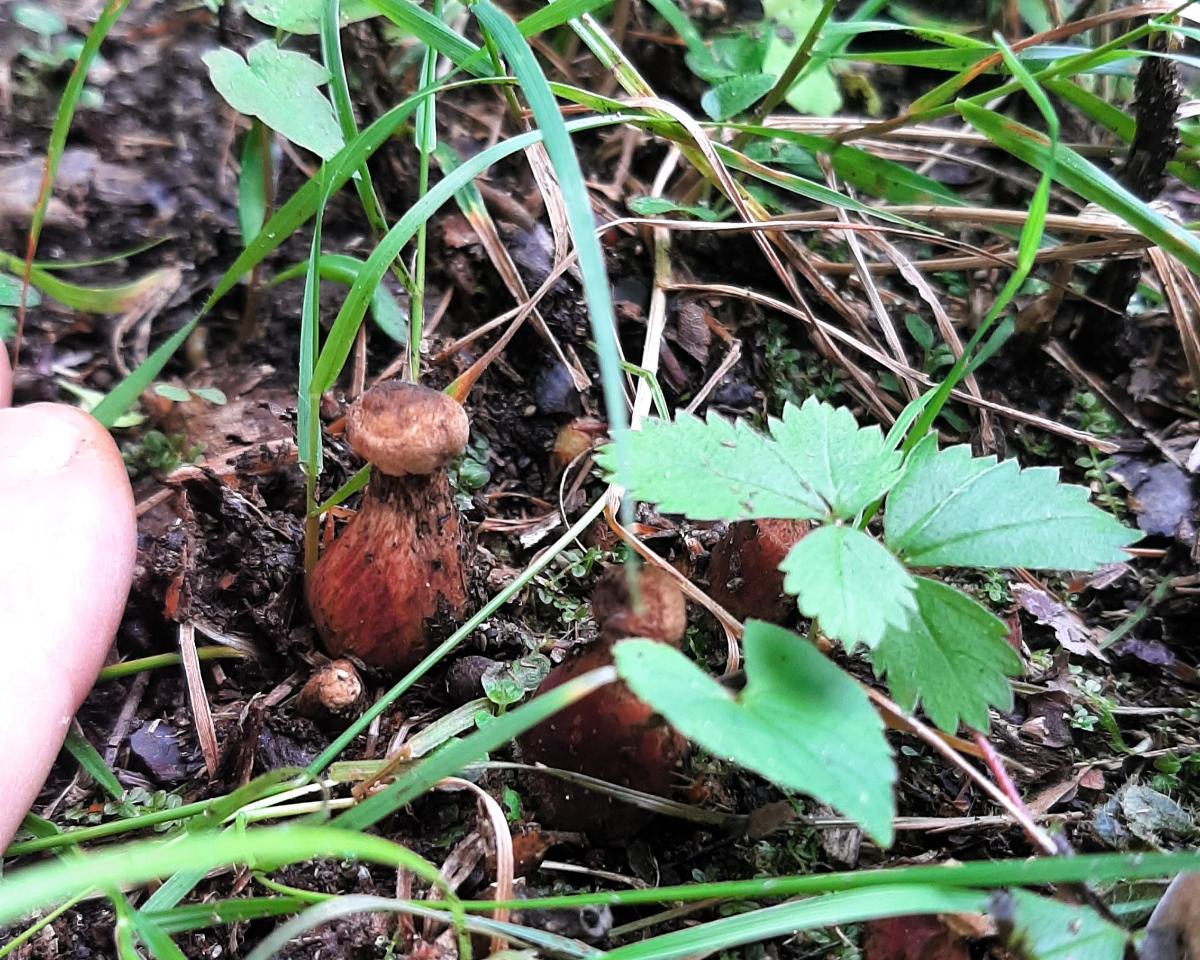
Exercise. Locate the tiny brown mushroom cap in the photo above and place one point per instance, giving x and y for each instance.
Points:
(403, 428)
(661, 613)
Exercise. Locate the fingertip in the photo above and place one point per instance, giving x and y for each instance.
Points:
(5, 377)
(67, 551)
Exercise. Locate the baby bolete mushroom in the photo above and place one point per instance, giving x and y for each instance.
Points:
(401, 561)
(611, 734)
(743, 569)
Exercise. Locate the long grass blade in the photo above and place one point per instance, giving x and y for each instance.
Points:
(62, 125)
(453, 757)
(852, 906)
(562, 155)
(1080, 175)
(33, 888)
(341, 334)
(286, 221)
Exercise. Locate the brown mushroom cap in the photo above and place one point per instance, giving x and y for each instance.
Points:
(403, 428)
(660, 614)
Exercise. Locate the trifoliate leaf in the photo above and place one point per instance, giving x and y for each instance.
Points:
(280, 88)
(952, 509)
(951, 657)
(1044, 929)
(800, 721)
(850, 467)
(713, 470)
(817, 463)
(849, 583)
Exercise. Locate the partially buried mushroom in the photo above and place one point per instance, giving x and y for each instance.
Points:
(401, 562)
(743, 570)
(611, 734)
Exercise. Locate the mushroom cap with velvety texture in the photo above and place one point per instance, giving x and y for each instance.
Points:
(403, 428)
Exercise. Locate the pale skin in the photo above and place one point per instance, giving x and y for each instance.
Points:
(68, 541)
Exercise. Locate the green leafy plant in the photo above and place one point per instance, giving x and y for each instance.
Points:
(135, 802)
(180, 394)
(280, 87)
(470, 472)
(158, 452)
(561, 590)
(799, 716)
(507, 683)
(745, 65)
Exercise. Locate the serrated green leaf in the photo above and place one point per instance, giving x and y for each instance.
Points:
(849, 467)
(849, 583)
(713, 469)
(817, 463)
(951, 657)
(801, 722)
(952, 509)
(280, 88)
(1046, 929)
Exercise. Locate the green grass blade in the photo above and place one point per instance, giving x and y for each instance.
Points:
(125, 394)
(159, 661)
(343, 109)
(877, 176)
(425, 135)
(853, 906)
(308, 421)
(453, 757)
(37, 887)
(1088, 868)
(341, 334)
(201, 916)
(1027, 247)
(1097, 110)
(154, 939)
(333, 908)
(678, 21)
(809, 189)
(555, 14)
(1080, 175)
(101, 831)
(78, 746)
(433, 33)
(286, 220)
(66, 112)
(561, 151)
(252, 180)
(114, 299)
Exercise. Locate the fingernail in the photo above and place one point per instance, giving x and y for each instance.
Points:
(33, 445)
